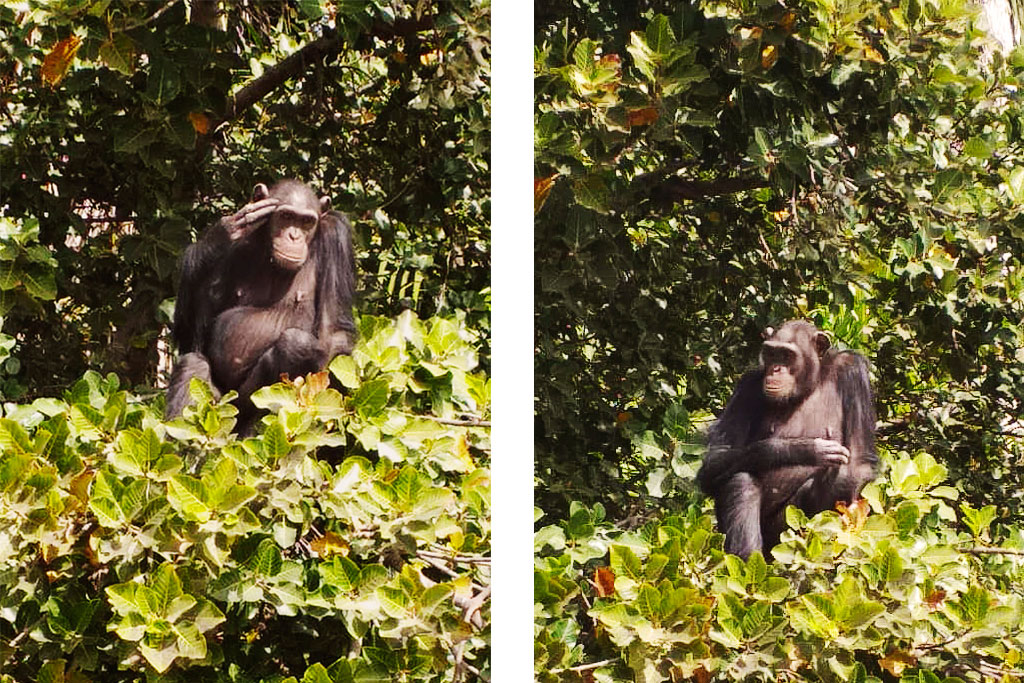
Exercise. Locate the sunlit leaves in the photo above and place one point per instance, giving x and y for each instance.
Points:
(836, 592)
(184, 526)
(165, 622)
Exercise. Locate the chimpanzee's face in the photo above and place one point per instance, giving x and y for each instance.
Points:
(790, 358)
(782, 365)
(292, 227)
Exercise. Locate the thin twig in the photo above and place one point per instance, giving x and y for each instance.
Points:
(457, 423)
(150, 18)
(584, 667)
(14, 642)
(445, 554)
(993, 551)
(437, 564)
(471, 608)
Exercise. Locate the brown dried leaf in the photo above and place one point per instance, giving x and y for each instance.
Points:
(935, 598)
(896, 662)
(604, 582)
(643, 117)
(873, 55)
(329, 545)
(200, 121)
(316, 383)
(541, 190)
(854, 515)
(58, 61)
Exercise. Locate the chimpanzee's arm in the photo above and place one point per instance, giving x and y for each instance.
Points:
(721, 462)
(854, 386)
(730, 450)
(197, 303)
(728, 436)
(192, 309)
(335, 286)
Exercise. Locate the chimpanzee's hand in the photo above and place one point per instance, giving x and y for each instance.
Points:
(249, 217)
(831, 453)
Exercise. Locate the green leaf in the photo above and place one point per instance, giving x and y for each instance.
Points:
(592, 192)
(625, 563)
(129, 138)
(162, 657)
(51, 672)
(40, 282)
(977, 147)
(659, 36)
(207, 616)
(163, 82)
(1015, 185)
(135, 451)
(267, 561)
(345, 370)
(978, 521)
(890, 565)
(190, 642)
(341, 573)
(369, 400)
(275, 441)
(118, 53)
(123, 600)
(165, 586)
(975, 604)
(317, 674)
(310, 10)
(189, 496)
(648, 601)
(14, 438)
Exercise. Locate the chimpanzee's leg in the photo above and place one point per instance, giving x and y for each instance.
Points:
(295, 353)
(738, 508)
(188, 366)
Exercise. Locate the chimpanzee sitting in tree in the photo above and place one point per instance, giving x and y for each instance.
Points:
(263, 293)
(799, 430)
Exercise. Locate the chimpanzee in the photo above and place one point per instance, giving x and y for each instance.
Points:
(264, 292)
(798, 430)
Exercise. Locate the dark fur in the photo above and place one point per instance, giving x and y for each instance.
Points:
(241, 321)
(760, 453)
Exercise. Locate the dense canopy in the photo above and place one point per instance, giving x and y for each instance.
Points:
(705, 170)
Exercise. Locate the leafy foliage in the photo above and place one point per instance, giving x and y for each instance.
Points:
(357, 521)
(881, 590)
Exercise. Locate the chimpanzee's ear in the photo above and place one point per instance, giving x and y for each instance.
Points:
(260, 192)
(822, 343)
(325, 205)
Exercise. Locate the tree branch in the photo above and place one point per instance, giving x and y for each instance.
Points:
(993, 551)
(321, 48)
(675, 189)
(584, 667)
(275, 76)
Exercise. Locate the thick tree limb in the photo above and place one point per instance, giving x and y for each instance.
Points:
(321, 48)
(275, 76)
(676, 189)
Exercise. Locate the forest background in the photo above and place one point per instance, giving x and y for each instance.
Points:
(351, 539)
(707, 169)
